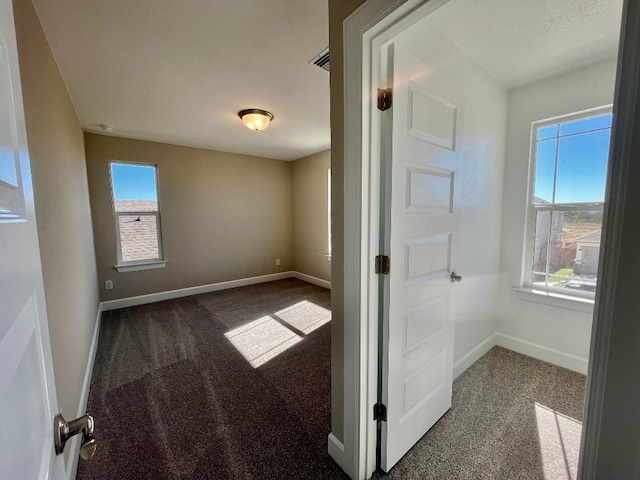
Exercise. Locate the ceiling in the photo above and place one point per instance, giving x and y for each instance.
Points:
(179, 71)
(521, 41)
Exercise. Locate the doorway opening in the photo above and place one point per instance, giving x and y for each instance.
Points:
(503, 97)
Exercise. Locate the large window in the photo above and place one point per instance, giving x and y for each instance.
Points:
(137, 214)
(569, 166)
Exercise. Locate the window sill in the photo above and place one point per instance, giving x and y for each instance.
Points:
(137, 267)
(578, 304)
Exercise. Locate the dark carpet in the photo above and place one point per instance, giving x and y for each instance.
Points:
(175, 396)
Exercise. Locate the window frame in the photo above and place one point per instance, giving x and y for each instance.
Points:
(136, 265)
(532, 209)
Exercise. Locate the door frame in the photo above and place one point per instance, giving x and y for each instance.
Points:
(365, 32)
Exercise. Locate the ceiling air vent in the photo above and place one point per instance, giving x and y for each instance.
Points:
(322, 59)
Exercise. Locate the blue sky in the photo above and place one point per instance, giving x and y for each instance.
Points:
(134, 182)
(583, 152)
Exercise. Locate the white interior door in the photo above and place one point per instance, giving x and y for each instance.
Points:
(421, 233)
(27, 393)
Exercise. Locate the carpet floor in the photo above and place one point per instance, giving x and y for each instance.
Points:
(232, 384)
(236, 385)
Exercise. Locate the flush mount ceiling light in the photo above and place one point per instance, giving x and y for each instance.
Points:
(256, 119)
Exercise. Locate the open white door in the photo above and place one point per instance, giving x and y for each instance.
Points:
(421, 234)
(27, 393)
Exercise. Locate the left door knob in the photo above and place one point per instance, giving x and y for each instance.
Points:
(63, 431)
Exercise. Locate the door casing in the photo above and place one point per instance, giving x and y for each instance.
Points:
(373, 25)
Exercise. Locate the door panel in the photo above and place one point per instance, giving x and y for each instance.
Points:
(430, 117)
(427, 257)
(429, 190)
(24, 377)
(27, 392)
(421, 229)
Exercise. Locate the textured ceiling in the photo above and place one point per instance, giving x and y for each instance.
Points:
(179, 71)
(521, 41)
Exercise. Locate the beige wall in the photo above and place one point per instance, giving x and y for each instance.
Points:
(310, 215)
(338, 11)
(224, 216)
(58, 167)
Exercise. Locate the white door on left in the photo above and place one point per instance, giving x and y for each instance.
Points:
(27, 393)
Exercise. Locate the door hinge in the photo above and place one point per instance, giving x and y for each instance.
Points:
(384, 98)
(382, 264)
(380, 412)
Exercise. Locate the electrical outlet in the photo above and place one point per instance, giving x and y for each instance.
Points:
(277, 261)
(108, 284)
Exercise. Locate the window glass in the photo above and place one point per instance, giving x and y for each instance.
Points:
(582, 167)
(138, 237)
(134, 187)
(566, 249)
(570, 168)
(135, 203)
(545, 171)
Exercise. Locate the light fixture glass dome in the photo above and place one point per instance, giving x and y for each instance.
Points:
(256, 119)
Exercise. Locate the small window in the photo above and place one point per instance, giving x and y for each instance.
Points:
(569, 168)
(136, 208)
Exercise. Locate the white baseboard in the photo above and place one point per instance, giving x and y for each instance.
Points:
(185, 292)
(315, 280)
(336, 451)
(212, 287)
(474, 355)
(546, 354)
(74, 445)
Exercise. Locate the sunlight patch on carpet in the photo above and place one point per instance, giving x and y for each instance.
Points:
(262, 340)
(305, 316)
(559, 439)
(266, 338)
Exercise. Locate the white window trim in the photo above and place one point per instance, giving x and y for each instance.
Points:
(137, 265)
(569, 302)
(526, 290)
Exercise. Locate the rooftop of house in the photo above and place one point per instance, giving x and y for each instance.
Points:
(591, 238)
(138, 233)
